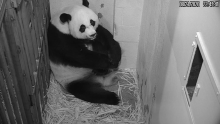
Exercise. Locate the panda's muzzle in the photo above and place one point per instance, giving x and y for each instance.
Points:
(93, 36)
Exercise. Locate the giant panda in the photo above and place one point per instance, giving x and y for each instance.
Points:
(83, 54)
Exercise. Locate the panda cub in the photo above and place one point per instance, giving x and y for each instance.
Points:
(83, 54)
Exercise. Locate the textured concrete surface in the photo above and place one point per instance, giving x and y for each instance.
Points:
(150, 52)
(127, 21)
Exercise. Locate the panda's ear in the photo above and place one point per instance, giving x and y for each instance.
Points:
(65, 17)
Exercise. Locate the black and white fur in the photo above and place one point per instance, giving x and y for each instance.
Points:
(82, 54)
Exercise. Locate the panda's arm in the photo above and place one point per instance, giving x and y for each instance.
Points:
(112, 47)
(65, 49)
(88, 59)
(115, 53)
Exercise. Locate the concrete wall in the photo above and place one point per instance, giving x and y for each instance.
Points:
(127, 23)
(57, 5)
(183, 23)
(160, 86)
(164, 52)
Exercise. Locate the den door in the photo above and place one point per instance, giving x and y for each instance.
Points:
(202, 94)
(204, 104)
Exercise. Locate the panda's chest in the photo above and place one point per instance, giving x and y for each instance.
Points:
(65, 74)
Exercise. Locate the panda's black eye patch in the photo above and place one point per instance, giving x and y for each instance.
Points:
(82, 28)
(65, 17)
(92, 22)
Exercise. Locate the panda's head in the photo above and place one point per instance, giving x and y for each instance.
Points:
(78, 21)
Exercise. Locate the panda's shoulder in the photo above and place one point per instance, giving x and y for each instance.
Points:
(102, 31)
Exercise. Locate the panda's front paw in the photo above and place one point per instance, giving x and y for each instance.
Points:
(112, 99)
(104, 62)
(114, 64)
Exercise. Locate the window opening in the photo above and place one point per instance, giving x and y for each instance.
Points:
(194, 73)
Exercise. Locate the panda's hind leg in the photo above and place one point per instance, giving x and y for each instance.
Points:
(110, 79)
(92, 91)
(107, 80)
